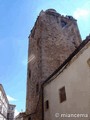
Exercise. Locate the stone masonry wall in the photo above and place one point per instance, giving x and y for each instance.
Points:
(52, 40)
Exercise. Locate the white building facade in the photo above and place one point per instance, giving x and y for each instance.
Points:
(6, 110)
(11, 111)
(3, 104)
(67, 93)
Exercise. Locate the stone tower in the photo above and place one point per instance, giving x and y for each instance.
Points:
(52, 39)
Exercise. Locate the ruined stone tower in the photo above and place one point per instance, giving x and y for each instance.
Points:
(52, 39)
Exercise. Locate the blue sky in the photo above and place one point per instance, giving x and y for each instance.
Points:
(17, 18)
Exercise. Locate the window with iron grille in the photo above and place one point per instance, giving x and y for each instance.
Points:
(47, 105)
(37, 88)
(62, 94)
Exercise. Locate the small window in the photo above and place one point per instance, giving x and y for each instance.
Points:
(63, 23)
(29, 118)
(29, 73)
(47, 105)
(38, 41)
(62, 94)
(37, 88)
(88, 62)
(0, 108)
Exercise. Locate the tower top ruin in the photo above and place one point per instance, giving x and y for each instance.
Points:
(55, 13)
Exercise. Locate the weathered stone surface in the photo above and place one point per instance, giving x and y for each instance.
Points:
(52, 40)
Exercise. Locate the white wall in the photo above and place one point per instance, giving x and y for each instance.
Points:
(76, 79)
(3, 106)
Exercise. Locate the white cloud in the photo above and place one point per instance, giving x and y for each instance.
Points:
(10, 98)
(81, 13)
(16, 113)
